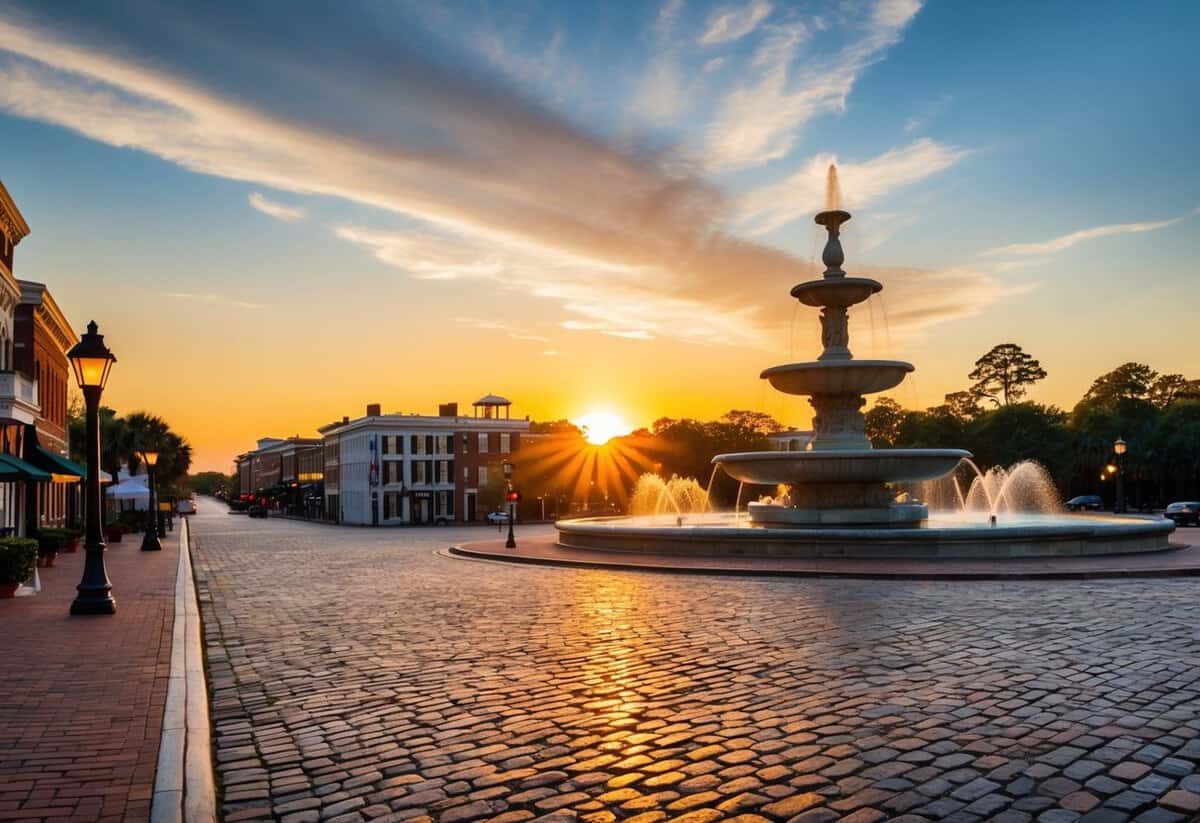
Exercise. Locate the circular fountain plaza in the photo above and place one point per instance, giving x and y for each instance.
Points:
(841, 498)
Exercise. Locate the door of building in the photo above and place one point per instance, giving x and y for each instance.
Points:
(470, 517)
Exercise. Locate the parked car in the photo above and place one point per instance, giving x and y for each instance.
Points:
(1186, 513)
(257, 511)
(186, 506)
(498, 518)
(1085, 503)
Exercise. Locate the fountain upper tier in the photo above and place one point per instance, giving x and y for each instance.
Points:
(836, 291)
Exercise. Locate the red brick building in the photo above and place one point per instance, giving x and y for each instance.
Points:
(38, 484)
(42, 338)
(287, 472)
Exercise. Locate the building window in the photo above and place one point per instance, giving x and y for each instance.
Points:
(483, 442)
(386, 447)
(443, 471)
(482, 476)
(466, 473)
(505, 442)
(466, 443)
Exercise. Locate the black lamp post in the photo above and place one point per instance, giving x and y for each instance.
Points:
(150, 541)
(511, 542)
(92, 361)
(1119, 449)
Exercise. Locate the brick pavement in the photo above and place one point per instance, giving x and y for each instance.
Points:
(81, 698)
(357, 675)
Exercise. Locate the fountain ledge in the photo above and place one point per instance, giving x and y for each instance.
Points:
(1175, 560)
(1053, 537)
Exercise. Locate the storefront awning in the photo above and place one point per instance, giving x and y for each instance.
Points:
(60, 468)
(14, 468)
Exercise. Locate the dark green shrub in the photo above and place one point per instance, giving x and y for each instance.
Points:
(53, 540)
(17, 558)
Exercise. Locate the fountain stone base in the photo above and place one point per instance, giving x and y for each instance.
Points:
(773, 515)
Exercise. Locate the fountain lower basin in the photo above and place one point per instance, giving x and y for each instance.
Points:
(967, 535)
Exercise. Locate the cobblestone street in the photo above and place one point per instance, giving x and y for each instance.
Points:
(358, 675)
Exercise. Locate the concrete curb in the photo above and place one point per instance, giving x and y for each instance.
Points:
(183, 783)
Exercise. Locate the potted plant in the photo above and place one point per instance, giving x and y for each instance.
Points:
(17, 558)
(113, 532)
(50, 543)
(73, 540)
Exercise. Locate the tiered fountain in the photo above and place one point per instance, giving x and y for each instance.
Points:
(840, 480)
(841, 495)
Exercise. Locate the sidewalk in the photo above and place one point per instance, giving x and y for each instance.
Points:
(81, 698)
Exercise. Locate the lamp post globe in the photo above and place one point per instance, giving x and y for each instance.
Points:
(91, 362)
(1120, 447)
(150, 541)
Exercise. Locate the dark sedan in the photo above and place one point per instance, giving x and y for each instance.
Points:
(1085, 503)
(1186, 513)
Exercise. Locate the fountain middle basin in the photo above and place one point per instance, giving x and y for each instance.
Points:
(837, 376)
(841, 466)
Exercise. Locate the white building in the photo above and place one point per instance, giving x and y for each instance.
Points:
(395, 469)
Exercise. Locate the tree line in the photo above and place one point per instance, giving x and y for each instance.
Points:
(1158, 415)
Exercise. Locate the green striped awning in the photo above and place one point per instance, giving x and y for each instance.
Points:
(14, 468)
(62, 469)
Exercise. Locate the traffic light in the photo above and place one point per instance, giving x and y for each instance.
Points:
(514, 497)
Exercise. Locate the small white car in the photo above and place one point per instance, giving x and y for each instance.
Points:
(498, 518)
(186, 506)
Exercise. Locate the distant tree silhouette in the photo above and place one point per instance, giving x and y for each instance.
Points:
(1004, 374)
(1129, 381)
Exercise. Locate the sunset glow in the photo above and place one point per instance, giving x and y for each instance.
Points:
(601, 426)
(617, 228)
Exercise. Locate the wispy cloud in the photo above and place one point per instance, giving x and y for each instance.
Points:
(667, 15)
(758, 121)
(803, 193)
(288, 214)
(216, 299)
(1066, 241)
(734, 22)
(488, 184)
(661, 96)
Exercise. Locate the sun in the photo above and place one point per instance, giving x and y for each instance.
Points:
(600, 426)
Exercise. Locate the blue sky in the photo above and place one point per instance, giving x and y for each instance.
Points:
(594, 204)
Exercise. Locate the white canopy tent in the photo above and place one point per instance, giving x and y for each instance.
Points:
(130, 494)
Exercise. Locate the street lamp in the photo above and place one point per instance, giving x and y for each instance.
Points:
(150, 541)
(1119, 449)
(511, 542)
(91, 360)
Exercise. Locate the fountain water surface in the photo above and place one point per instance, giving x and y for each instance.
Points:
(843, 498)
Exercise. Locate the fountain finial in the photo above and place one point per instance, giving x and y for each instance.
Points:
(832, 219)
(833, 256)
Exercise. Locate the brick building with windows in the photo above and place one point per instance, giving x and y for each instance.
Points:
(397, 469)
(39, 485)
(287, 472)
